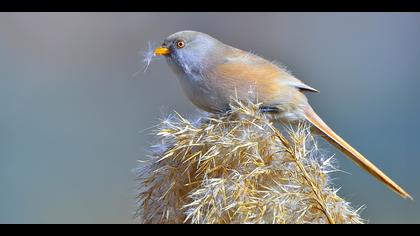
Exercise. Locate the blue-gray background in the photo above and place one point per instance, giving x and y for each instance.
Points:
(71, 112)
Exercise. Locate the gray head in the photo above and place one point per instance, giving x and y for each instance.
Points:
(191, 51)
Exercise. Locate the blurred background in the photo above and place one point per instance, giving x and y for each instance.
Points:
(74, 112)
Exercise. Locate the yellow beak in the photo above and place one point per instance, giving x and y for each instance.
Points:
(162, 51)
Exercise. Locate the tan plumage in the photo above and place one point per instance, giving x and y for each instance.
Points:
(212, 72)
(244, 72)
(329, 135)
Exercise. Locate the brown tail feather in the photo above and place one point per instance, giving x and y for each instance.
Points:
(359, 159)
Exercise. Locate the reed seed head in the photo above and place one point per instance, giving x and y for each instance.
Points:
(238, 168)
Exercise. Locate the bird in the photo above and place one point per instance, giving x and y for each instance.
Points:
(211, 72)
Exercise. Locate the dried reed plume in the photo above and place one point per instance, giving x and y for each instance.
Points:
(238, 168)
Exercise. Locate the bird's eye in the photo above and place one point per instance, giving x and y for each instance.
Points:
(180, 44)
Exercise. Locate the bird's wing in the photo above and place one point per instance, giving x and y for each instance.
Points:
(247, 66)
(302, 86)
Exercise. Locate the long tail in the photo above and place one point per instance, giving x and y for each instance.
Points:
(359, 159)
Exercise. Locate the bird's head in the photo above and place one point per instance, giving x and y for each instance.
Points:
(191, 51)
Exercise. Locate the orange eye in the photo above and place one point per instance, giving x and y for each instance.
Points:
(180, 44)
